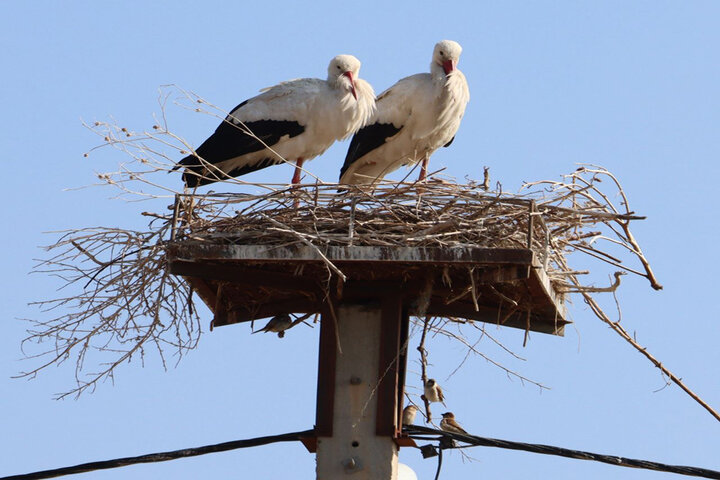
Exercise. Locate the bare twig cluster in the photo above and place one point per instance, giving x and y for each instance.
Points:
(123, 303)
(583, 191)
(150, 151)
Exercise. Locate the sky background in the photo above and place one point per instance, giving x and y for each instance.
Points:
(630, 85)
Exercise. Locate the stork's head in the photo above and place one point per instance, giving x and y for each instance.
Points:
(343, 71)
(447, 55)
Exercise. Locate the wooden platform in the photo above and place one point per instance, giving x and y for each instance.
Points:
(240, 283)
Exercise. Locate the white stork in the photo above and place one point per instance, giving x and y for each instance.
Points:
(414, 117)
(298, 120)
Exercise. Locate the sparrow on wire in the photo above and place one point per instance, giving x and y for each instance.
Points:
(449, 424)
(408, 415)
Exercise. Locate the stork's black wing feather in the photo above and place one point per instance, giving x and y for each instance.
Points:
(366, 140)
(451, 140)
(231, 140)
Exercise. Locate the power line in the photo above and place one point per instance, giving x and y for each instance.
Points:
(162, 456)
(413, 430)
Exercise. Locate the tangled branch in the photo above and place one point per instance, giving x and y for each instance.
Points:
(123, 301)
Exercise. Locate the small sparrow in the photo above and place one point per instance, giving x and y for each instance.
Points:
(278, 323)
(409, 412)
(449, 424)
(433, 392)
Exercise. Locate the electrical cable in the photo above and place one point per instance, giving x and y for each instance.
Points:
(563, 452)
(415, 431)
(437, 474)
(163, 456)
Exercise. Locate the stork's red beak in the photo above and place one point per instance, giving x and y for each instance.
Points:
(448, 66)
(352, 84)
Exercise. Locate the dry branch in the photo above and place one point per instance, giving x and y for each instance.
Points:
(119, 307)
(617, 328)
(423, 365)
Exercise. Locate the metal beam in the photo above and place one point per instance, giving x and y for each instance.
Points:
(355, 447)
(517, 319)
(327, 359)
(243, 313)
(239, 274)
(387, 421)
(452, 255)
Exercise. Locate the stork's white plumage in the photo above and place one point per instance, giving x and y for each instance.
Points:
(298, 120)
(414, 117)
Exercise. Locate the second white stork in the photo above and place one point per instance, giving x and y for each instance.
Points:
(414, 117)
(292, 121)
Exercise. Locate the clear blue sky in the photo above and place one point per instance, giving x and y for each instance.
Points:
(631, 85)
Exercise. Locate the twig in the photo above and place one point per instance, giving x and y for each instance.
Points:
(423, 365)
(626, 336)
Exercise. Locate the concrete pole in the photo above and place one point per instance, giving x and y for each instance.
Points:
(355, 451)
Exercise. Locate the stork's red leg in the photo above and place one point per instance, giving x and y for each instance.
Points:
(298, 169)
(296, 179)
(423, 169)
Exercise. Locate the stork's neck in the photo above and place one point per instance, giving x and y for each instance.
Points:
(437, 73)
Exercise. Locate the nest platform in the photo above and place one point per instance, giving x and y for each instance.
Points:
(446, 251)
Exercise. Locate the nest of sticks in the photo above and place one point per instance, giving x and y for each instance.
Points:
(437, 214)
(554, 220)
(124, 299)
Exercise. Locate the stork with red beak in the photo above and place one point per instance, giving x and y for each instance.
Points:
(414, 117)
(293, 121)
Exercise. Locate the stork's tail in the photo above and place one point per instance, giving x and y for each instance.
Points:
(195, 173)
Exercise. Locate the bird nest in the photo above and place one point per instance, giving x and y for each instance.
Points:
(436, 214)
(553, 219)
(126, 299)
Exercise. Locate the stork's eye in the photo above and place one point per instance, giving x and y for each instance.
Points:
(441, 53)
(338, 67)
